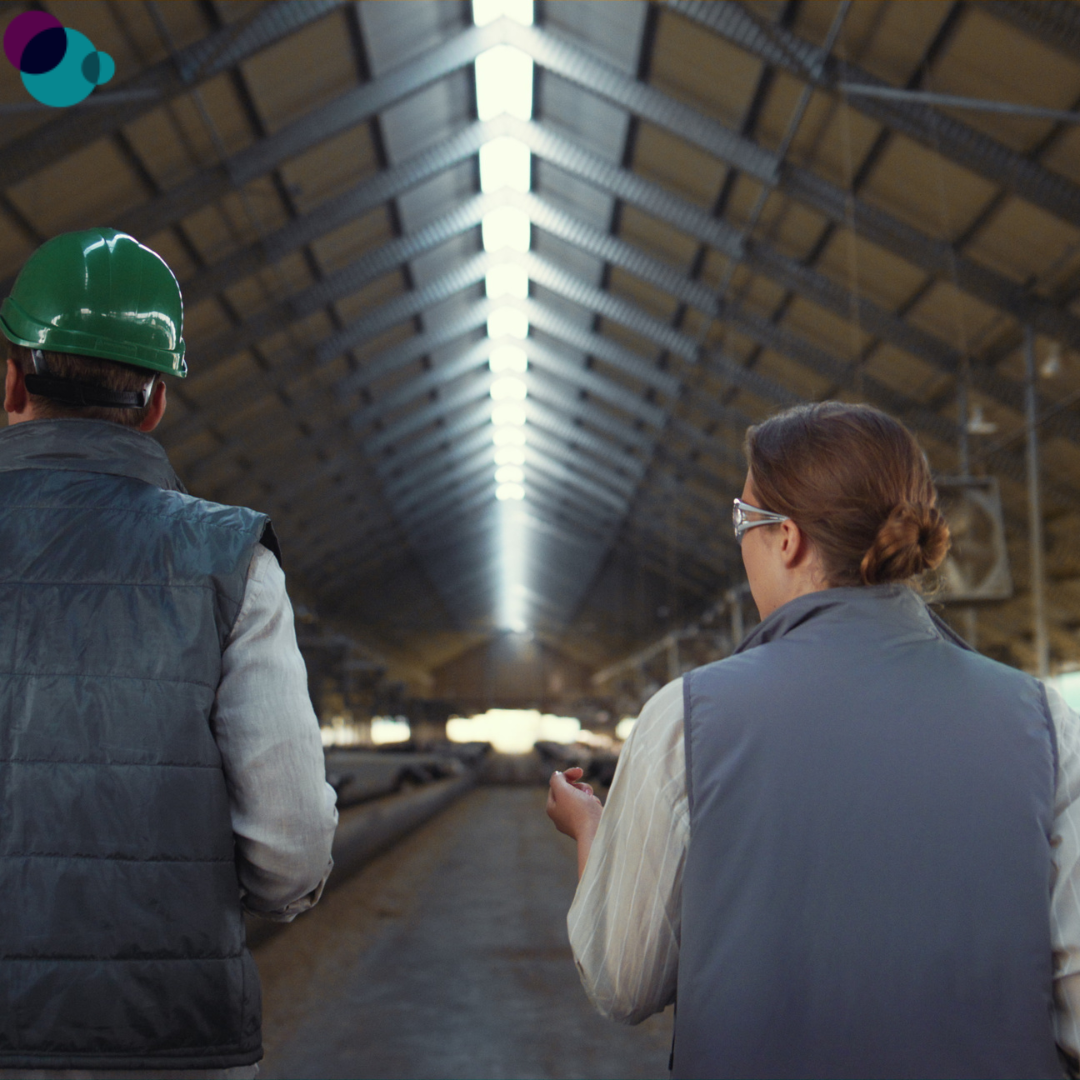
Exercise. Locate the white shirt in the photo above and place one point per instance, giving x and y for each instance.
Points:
(283, 810)
(625, 919)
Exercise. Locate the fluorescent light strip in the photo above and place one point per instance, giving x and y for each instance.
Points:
(506, 358)
(504, 84)
(487, 11)
(509, 279)
(505, 162)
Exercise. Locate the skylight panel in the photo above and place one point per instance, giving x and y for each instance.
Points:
(506, 227)
(504, 83)
(507, 322)
(506, 358)
(505, 163)
(487, 11)
(509, 279)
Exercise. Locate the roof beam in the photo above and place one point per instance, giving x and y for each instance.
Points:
(371, 266)
(367, 195)
(418, 483)
(545, 359)
(816, 287)
(541, 449)
(346, 111)
(466, 421)
(1053, 22)
(669, 207)
(465, 393)
(76, 128)
(559, 424)
(934, 256)
(434, 379)
(391, 360)
(942, 133)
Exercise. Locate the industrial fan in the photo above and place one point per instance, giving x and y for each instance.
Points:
(977, 566)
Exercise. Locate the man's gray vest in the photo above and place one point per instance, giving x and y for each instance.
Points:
(121, 939)
(867, 886)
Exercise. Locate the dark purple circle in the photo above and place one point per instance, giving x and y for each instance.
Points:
(44, 51)
(24, 27)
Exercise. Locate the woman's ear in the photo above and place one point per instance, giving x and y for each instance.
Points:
(793, 544)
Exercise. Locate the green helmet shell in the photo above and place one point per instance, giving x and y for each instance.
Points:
(98, 293)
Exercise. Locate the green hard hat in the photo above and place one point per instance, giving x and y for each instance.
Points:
(98, 293)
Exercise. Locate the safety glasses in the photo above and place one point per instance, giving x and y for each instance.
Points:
(742, 522)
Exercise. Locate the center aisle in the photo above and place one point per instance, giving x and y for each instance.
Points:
(447, 957)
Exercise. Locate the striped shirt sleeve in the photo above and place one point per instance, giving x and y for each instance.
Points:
(1065, 895)
(625, 918)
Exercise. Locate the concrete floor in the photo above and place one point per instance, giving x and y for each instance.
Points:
(447, 957)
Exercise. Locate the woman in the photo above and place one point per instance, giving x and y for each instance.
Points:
(884, 873)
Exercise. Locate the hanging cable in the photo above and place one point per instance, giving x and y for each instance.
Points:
(963, 380)
(854, 307)
(763, 195)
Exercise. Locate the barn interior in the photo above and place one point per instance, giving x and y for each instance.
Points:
(649, 225)
(481, 298)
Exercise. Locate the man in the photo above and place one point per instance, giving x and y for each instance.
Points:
(160, 764)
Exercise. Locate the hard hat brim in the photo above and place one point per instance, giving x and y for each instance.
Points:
(23, 329)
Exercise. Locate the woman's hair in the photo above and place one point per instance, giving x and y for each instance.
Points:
(856, 483)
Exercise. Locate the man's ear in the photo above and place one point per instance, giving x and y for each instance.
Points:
(157, 407)
(16, 398)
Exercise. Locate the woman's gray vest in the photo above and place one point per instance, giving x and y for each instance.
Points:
(867, 885)
(121, 938)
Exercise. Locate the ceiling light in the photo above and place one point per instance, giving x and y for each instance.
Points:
(509, 474)
(507, 280)
(509, 389)
(508, 414)
(508, 358)
(505, 162)
(487, 11)
(507, 322)
(509, 491)
(504, 83)
(1051, 366)
(978, 424)
(508, 436)
(507, 227)
(510, 455)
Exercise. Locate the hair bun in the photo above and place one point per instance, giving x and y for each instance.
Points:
(912, 539)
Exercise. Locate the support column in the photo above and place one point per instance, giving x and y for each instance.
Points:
(1038, 570)
(673, 670)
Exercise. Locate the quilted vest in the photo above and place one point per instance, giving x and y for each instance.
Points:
(121, 941)
(867, 886)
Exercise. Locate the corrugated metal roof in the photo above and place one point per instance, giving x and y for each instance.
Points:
(310, 171)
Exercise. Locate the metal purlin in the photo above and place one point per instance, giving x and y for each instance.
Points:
(1002, 388)
(217, 52)
(959, 142)
(807, 282)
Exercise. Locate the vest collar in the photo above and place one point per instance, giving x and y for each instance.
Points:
(94, 446)
(898, 606)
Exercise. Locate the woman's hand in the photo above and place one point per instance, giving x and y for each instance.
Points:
(575, 810)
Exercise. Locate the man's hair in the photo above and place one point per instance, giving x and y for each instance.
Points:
(108, 374)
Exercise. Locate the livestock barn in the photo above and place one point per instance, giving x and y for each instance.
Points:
(480, 299)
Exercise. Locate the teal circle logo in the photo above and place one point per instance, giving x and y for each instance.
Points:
(59, 66)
